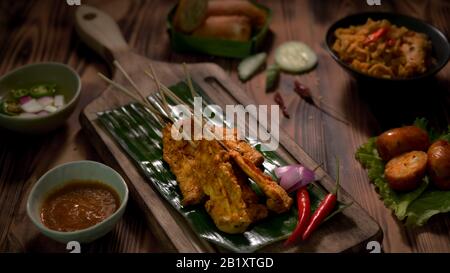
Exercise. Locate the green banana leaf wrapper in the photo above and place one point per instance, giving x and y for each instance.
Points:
(185, 43)
(139, 133)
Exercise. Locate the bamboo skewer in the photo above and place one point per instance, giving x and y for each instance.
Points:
(121, 69)
(175, 98)
(168, 92)
(142, 102)
(136, 88)
(164, 91)
(128, 93)
(189, 81)
(161, 92)
(165, 105)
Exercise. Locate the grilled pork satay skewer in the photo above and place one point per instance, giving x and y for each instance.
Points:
(243, 208)
(178, 100)
(243, 147)
(278, 200)
(229, 146)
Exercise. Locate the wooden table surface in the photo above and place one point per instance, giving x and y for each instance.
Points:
(35, 31)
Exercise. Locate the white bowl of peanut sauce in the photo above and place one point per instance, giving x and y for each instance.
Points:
(77, 201)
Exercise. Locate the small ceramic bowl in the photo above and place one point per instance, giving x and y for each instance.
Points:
(61, 175)
(67, 81)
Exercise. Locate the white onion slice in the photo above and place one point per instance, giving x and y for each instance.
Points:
(59, 101)
(50, 108)
(32, 106)
(295, 176)
(45, 101)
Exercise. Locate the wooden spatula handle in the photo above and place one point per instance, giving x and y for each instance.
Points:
(100, 32)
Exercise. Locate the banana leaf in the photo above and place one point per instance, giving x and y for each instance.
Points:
(139, 133)
(182, 42)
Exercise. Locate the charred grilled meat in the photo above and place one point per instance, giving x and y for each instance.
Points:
(219, 174)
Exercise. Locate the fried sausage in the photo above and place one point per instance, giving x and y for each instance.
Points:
(236, 7)
(439, 164)
(235, 28)
(401, 140)
(405, 172)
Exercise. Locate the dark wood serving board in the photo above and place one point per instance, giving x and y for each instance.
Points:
(349, 231)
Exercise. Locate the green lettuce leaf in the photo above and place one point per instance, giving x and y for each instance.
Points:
(415, 206)
(432, 133)
(430, 203)
(446, 136)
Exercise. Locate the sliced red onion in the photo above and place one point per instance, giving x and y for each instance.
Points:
(46, 101)
(24, 99)
(32, 106)
(280, 171)
(295, 177)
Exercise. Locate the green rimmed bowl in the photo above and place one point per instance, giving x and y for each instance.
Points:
(67, 81)
(60, 176)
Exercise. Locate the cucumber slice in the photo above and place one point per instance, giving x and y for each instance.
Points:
(295, 57)
(250, 65)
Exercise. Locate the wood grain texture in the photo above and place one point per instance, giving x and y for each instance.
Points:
(43, 30)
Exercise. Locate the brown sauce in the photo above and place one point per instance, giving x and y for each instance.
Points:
(79, 205)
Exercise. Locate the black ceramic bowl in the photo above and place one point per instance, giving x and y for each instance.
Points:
(440, 45)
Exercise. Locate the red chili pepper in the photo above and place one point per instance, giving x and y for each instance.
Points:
(374, 36)
(304, 211)
(303, 91)
(325, 208)
(279, 100)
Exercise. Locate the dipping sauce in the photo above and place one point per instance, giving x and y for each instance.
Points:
(79, 205)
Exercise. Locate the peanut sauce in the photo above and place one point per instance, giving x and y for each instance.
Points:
(78, 205)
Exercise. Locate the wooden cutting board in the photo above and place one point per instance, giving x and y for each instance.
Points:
(349, 231)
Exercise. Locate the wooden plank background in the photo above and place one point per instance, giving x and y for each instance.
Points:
(34, 31)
